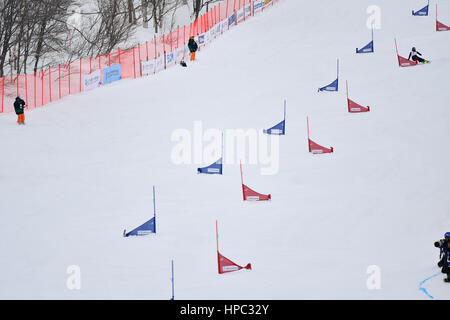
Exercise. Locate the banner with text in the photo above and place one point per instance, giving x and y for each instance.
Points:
(92, 80)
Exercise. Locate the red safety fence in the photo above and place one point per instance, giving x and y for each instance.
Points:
(54, 83)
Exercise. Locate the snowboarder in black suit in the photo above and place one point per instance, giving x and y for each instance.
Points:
(414, 54)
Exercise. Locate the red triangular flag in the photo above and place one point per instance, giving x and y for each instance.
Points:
(441, 27)
(226, 265)
(251, 195)
(353, 107)
(315, 148)
(403, 62)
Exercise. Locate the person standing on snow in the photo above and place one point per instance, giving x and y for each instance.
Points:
(192, 45)
(19, 105)
(446, 256)
(414, 54)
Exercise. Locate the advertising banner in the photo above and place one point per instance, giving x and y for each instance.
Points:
(92, 80)
(148, 67)
(112, 73)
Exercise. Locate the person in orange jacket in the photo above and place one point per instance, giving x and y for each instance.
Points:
(19, 105)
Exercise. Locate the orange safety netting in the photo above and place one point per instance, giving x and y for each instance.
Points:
(54, 83)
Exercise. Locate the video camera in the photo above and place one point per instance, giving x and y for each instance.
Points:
(441, 243)
(443, 246)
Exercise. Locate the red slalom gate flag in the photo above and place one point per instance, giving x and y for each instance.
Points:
(315, 148)
(403, 62)
(439, 25)
(251, 195)
(225, 265)
(353, 107)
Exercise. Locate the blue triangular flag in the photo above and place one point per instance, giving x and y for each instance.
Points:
(277, 129)
(367, 49)
(144, 229)
(280, 128)
(215, 168)
(331, 87)
(334, 86)
(422, 12)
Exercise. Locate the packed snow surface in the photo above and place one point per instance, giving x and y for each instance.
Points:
(82, 169)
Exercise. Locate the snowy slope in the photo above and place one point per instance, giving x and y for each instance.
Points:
(82, 169)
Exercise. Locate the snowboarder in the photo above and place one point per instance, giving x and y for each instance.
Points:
(19, 105)
(414, 54)
(192, 45)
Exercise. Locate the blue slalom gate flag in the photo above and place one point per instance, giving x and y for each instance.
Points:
(368, 48)
(277, 129)
(147, 227)
(215, 168)
(423, 11)
(280, 128)
(334, 86)
(144, 229)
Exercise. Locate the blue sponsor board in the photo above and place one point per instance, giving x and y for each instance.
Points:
(232, 19)
(258, 5)
(112, 73)
(170, 58)
(201, 39)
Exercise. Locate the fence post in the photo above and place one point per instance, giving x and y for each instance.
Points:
(70, 89)
(164, 49)
(35, 98)
(154, 39)
(3, 90)
(139, 57)
(59, 78)
(81, 61)
(226, 15)
(50, 82)
(17, 84)
(146, 49)
(164, 44)
(26, 88)
(178, 36)
(134, 64)
(42, 88)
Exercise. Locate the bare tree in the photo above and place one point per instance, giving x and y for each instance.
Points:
(198, 5)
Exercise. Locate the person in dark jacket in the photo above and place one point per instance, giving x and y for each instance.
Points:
(19, 105)
(445, 262)
(192, 45)
(414, 54)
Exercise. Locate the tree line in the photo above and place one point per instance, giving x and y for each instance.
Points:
(35, 34)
